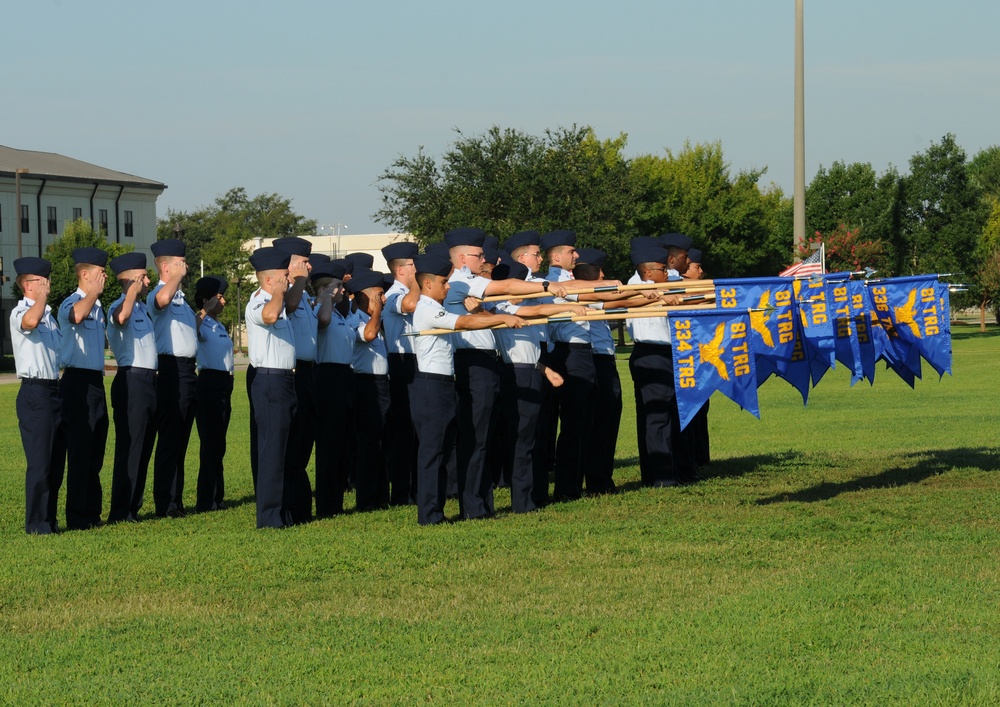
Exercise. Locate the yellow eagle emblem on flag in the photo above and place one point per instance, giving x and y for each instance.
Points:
(907, 313)
(712, 352)
(758, 320)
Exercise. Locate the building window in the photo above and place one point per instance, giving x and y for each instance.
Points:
(25, 225)
(52, 227)
(77, 214)
(102, 220)
(128, 224)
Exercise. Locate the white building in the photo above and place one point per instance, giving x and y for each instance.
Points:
(56, 190)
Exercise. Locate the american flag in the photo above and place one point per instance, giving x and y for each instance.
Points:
(813, 265)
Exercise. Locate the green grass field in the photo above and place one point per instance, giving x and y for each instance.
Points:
(846, 552)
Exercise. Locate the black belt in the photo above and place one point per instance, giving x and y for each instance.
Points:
(83, 371)
(302, 363)
(136, 369)
(375, 376)
(482, 353)
(215, 372)
(341, 366)
(654, 347)
(185, 359)
(273, 371)
(524, 365)
(436, 376)
(403, 356)
(50, 382)
(573, 347)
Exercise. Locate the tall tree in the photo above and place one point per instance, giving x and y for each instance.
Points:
(80, 234)
(506, 180)
(852, 198)
(943, 212)
(740, 226)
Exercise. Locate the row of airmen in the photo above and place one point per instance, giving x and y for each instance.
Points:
(431, 416)
(312, 342)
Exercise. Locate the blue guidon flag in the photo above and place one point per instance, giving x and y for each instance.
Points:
(712, 351)
(914, 311)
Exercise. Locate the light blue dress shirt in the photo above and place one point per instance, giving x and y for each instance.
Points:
(83, 343)
(269, 346)
(36, 351)
(132, 343)
(174, 325)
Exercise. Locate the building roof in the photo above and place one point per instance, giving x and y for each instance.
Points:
(51, 165)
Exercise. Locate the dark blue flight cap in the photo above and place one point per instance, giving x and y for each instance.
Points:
(128, 261)
(318, 259)
(491, 242)
(465, 236)
(293, 245)
(32, 266)
(433, 264)
(439, 249)
(388, 281)
(168, 247)
(510, 271)
(363, 279)
(403, 250)
(210, 286)
(643, 242)
(557, 238)
(491, 255)
(270, 259)
(90, 256)
(676, 240)
(332, 268)
(521, 239)
(505, 257)
(649, 255)
(348, 265)
(365, 260)
(591, 256)
(694, 255)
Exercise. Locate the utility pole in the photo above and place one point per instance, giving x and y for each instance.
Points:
(799, 197)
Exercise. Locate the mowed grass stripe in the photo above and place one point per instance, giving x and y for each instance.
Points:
(841, 552)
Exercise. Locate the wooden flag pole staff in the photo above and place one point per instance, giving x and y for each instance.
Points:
(668, 287)
(600, 315)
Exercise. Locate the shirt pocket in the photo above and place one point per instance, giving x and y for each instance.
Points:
(89, 323)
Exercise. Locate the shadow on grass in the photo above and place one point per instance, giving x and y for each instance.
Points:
(930, 463)
(231, 503)
(965, 332)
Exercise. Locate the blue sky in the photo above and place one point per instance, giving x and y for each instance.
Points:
(313, 100)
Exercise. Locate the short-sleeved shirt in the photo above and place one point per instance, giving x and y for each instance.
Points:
(601, 339)
(566, 332)
(465, 284)
(522, 345)
(133, 343)
(215, 348)
(36, 351)
(269, 346)
(648, 330)
(335, 343)
(174, 325)
(435, 354)
(304, 328)
(369, 356)
(395, 321)
(82, 343)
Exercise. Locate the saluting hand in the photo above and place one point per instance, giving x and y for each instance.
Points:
(298, 269)
(278, 285)
(42, 290)
(96, 283)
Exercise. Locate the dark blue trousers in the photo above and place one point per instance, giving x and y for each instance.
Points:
(175, 412)
(433, 409)
(576, 396)
(213, 400)
(335, 392)
(477, 382)
(527, 461)
(663, 452)
(401, 439)
(43, 436)
(300, 442)
(274, 407)
(600, 466)
(251, 373)
(133, 401)
(371, 410)
(85, 412)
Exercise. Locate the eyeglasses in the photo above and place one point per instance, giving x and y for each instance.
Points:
(480, 256)
(660, 269)
(537, 254)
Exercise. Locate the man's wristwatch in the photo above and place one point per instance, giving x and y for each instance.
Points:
(545, 285)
